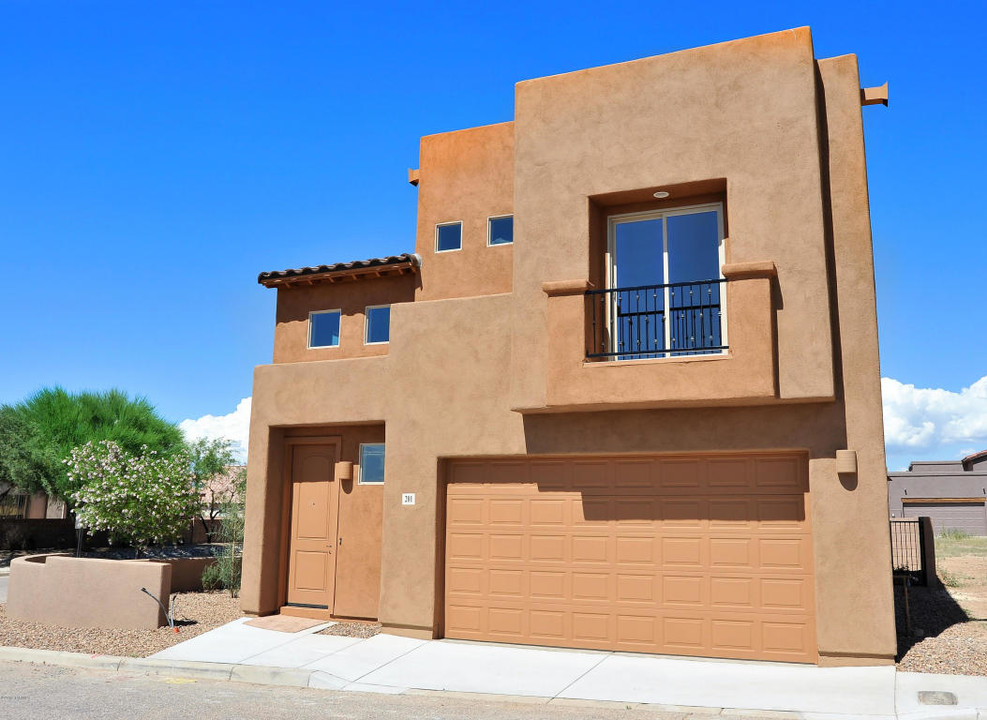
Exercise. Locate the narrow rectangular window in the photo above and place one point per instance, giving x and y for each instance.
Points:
(500, 230)
(449, 236)
(371, 463)
(323, 328)
(378, 329)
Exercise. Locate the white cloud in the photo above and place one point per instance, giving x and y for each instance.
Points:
(932, 423)
(235, 427)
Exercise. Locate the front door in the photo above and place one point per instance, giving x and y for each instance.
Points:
(314, 511)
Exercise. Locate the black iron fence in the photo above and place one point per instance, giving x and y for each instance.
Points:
(656, 321)
(909, 554)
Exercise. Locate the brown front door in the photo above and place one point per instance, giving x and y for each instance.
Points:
(312, 543)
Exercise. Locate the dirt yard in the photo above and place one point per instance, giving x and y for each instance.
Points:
(949, 623)
(195, 613)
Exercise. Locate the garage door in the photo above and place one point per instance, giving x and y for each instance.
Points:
(967, 516)
(706, 556)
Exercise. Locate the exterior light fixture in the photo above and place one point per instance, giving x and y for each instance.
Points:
(661, 194)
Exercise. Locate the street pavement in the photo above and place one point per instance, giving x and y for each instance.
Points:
(30, 691)
(451, 672)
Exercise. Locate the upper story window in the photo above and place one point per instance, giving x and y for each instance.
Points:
(378, 330)
(448, 236)
(500, 230)
(664, 295)
(323, 328)
(371, 463)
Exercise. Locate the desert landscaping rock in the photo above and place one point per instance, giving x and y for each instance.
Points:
(352, 629)
(195, 613)
(949, 623)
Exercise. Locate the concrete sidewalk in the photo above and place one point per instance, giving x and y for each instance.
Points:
(391, 664)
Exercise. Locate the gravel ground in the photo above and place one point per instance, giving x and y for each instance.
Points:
(195, 613)
(949, 623)
(352, 629)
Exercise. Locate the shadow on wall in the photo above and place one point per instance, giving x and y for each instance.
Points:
(814, 427)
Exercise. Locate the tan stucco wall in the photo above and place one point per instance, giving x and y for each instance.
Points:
(87, 592)
(744, 375)
(352, 298)
(458, 369)
(466, 175)
(744, 111)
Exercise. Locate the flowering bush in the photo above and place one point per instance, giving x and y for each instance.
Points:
(141, 499)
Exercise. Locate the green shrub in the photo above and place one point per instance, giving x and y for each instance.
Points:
(226, 572)
(140, 499)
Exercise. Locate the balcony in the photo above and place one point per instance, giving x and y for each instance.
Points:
(632, 323)
(676, 334)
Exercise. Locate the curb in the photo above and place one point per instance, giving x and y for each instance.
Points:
(316, 679)
(256, 674)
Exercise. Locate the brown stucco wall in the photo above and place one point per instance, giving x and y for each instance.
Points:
(86, 592)
(744, 111)
(466, 175)
(761, 115)
(352, 297)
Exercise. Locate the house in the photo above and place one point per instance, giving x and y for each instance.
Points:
(32, 520)
(624, 395)
(952, 493)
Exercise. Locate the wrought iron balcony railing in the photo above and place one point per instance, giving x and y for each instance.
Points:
(656, 321)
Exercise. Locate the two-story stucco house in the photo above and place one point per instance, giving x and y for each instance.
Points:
(624, 394)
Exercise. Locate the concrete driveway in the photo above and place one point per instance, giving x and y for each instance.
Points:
(4, 581)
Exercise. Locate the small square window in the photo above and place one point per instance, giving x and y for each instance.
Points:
(371, 464)
(378, 325)
(500, 230)
(448, 236)
(323, 329)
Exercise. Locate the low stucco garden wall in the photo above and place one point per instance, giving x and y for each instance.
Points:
(88, 592)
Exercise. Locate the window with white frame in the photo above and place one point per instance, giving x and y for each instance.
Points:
(323, 328)
(449, 236)
(664, 295)
(378, 325)
(500, 230)
(371, 463)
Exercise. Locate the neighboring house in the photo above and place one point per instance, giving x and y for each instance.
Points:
(17, 504)
(624, 396)
(32, 520)
(952, 493)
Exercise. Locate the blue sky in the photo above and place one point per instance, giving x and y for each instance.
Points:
(155, 156)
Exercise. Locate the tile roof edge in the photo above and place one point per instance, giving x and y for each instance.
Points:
(412, 260)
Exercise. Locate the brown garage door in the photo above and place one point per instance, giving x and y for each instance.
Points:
(689, 555)
(967, 516)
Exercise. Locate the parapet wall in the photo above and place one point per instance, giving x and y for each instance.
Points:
(88, 592)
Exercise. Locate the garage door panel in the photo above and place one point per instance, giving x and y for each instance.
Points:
(644, 567)
(550, 549)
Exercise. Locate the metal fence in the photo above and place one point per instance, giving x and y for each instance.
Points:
(908, 549)
(655, 321)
